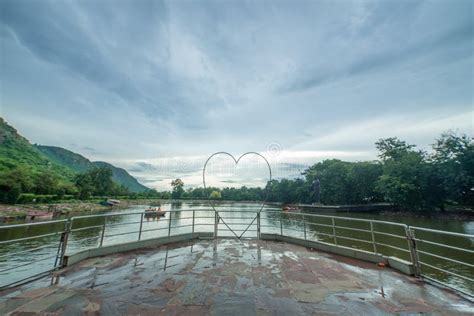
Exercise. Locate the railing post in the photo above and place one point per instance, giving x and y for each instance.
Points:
(258, 225)
(169, 223)
(141, 225)
(334, 230)
(373, 236)
(103, 232)
(304, 226)
(281, 223)
(216, 223)
(410, 234)
(194, 216)
(63, 243)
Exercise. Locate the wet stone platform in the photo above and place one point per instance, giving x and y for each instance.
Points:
(228, 277)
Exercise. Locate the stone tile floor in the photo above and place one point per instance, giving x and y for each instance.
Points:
(228, 277)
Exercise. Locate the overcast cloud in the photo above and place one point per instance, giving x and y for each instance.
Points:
(158, 86)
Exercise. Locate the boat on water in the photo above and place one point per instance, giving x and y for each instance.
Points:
(154, 212)
(288, 208)
(110, 202)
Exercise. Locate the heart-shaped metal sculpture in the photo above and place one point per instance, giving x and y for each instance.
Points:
(237, 162)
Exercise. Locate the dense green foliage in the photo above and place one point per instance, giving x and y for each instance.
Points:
(409, 178)
(414, 179)
(453, 162)
(98, 182)
(43, 173)
(17, 153)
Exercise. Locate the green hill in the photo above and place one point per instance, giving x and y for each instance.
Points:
(79, 163)
(16, 151)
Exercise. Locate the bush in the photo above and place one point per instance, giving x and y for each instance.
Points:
(9, 192)
(68, 197)
(46, 198)
(27, 198)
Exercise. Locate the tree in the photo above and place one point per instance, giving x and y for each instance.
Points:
(21, 176)
(46, 183)
(9, 191)
(453, 157)
(178, 190)
(85, 186)
(215, 195)
(361, 180)
(97, 181)
(121, 190)
(66, 187)
(102, 180)
(392, 148)
(13, 183)
(403, 173)
(333, 174)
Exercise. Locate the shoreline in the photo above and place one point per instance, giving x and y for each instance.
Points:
(45, 211)
(23, 212)
(461, 215)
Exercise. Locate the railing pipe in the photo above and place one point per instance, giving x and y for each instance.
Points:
(374, 244)
(258, 225)
(32, 224)
(64, 240)
(410, 245)
(216, 223)
(334, 230)
(169, 224)
(415, 248)
(281, 223)
(413, 253)
(103, 232)
(194, 216)
(141, 226)
(304, 226)
(413, 228)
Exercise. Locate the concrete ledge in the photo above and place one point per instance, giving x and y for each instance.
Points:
(147, 243)
(401, 265)
(397, 264)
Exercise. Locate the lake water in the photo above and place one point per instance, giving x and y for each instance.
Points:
(26, 258)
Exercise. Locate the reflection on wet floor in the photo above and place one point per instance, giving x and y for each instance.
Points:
(226, 276)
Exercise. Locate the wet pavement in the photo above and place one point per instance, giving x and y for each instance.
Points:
(228, 277)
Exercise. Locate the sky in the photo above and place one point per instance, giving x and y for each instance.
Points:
(156, 87)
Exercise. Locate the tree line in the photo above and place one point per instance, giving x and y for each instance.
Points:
(404, 175)
(20, 185)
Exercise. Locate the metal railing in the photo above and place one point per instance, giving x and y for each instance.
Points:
(47, 245)
(30, 250)
(450, 256)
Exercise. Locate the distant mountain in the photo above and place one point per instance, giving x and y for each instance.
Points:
(15, 150)
(79, 163)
